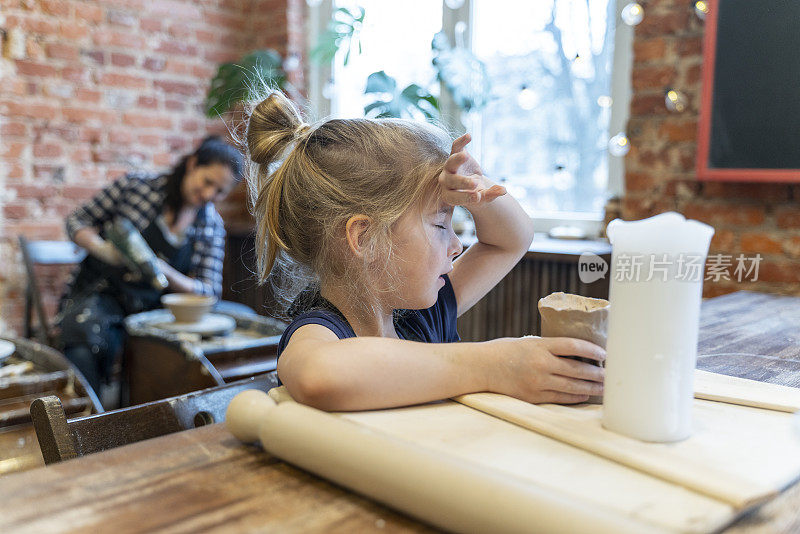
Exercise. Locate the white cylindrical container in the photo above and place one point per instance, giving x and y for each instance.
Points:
(657, 271)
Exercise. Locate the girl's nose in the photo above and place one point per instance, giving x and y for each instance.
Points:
(455, 246)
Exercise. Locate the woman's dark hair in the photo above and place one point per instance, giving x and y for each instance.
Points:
(211, 150)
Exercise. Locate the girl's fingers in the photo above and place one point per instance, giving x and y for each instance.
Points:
(569, 346)
(558, 397)
(455, 161)
(580, 370)
(460, 143)
(574, 386)
(460, 198)
(457, 181)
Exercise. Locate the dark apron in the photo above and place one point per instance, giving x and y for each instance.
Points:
(92, 311)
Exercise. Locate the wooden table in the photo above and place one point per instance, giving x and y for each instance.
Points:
(204, 479)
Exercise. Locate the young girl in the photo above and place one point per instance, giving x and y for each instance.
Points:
(365, 207)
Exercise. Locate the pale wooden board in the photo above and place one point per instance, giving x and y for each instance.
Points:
(736, 454)
(733, 390)
(455, 430)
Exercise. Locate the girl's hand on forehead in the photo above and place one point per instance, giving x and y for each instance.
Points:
(462, 180)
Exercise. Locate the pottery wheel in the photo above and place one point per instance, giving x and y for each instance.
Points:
(7, 348)
(211, 324)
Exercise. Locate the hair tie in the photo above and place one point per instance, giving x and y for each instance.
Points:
(302, 129)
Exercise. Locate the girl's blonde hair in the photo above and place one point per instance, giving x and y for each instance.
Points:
(306, 181)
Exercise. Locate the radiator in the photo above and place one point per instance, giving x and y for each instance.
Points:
(508, 310)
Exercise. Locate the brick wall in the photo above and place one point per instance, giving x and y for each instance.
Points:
(104, 87)
(660, 167)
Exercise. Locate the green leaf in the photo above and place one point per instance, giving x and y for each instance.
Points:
(235, 82)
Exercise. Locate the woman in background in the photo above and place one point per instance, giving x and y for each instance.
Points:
(176, 216)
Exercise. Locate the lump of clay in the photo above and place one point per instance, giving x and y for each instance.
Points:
(567, 315)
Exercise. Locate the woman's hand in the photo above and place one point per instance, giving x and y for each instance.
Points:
(531, 369)
(462, 180)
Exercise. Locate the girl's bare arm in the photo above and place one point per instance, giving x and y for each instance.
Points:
(364, 373)
(503, 228)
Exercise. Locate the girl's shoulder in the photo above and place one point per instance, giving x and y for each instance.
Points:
(333, 321)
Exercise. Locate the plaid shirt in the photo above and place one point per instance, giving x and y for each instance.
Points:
(139, 198)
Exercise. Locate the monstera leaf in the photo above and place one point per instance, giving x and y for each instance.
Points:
(238, 81)
(462, 73)
(412, 102)
(343, 31)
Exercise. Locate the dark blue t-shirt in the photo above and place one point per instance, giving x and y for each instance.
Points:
(436, 324)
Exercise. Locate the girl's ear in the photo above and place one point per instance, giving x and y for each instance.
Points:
(355, 229)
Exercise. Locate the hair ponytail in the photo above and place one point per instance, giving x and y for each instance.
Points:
(274, 123)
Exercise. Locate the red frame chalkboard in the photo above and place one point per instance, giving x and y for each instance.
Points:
(704, 172)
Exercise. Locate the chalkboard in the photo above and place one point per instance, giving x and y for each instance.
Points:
(750, 113)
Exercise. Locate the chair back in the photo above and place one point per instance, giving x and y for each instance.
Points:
(43, 253)
(61, 439)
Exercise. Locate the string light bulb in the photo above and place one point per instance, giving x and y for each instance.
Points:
(632, 14)
(675, 100)
(701, 9)
(619, 145)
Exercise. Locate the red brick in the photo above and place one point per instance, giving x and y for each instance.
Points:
(76, 74)
(62, 51)
(759, 242)
(150, 140)
(180, 31)
(694, 74)
(13, 150)
(141, 120)
(82, 115)
(648, 104)
(649, 49)
(34, 192)
(147, 102)
(89, 11)
(78, 192)
(29, 68)
(15, 171)
(123, 80)
(174, 105)
(750, 191)
(122, 60)
(74, 31)
(679, 131)
(150, 24)
(88, 95)
(55, 7)
(723, 241)
(170, 47)
(674, 23)
(690, 46)
(730, 214)
(118, 38)
(13, 129)
(653, 77)
(121, 136)
(154, 64)
(778, 271)
(172, 87)
(205, 36)
(31, 230)
(15, 210)
(788, 217)
(181, 68)
(47, 150)
(33, 24)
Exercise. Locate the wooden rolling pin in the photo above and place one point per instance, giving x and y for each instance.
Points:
(438, 489)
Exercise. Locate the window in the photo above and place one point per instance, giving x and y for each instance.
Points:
(555, 98)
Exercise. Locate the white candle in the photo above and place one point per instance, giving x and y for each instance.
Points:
(657, 271)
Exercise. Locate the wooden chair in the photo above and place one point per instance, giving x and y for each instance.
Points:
(61, 439)
(43, 253)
